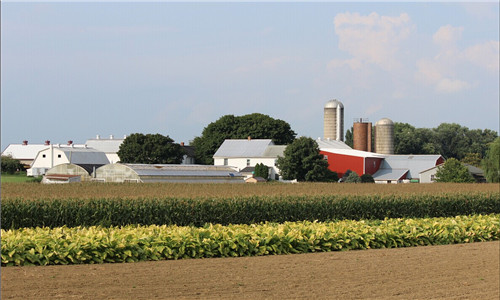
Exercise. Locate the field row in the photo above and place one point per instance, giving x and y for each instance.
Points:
(44, 246)
(19, 212)
(184, 190)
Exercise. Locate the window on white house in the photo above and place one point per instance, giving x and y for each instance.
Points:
(225, 162)
(58, 155)
(248, 162)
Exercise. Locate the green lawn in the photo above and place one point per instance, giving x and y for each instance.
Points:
(21, 177)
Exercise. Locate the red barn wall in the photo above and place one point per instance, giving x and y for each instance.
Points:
(372, 165)
(341, 163)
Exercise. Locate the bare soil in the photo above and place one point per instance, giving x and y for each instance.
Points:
(463, 271)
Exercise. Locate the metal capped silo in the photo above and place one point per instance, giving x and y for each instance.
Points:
(384, 136)
(333, 125)
(362, 135)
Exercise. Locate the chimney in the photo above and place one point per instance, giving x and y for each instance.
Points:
(182, 144)
(47, 143)
(70, 143)
(97, 137)
(25, 143)
(249, 138)
(111, 137)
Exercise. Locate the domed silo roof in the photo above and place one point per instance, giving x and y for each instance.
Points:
(384, 121)
(334, 104)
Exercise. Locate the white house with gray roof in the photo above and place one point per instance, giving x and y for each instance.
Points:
(244, 155)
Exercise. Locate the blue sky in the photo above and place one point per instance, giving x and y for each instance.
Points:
(70, 71)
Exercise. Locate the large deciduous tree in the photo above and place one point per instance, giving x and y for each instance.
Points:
(491, 162)
(257, 126)
(453, 171)
(150, 149)
(302, 161)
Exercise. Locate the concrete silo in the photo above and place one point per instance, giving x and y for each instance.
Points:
(384, 136)
(362, 135)
(333, 125)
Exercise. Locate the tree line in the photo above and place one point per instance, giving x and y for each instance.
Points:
(450, 140)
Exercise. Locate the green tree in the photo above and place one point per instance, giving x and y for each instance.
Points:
(349, 137)
(453, 171)
(367, 178)
(150, 149)
(302, 161)
(353, 177)
(261, 170)
(10, 165)
(257, 126)
(473, 159)
(491, 162)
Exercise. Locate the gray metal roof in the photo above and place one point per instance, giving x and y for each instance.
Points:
(84, 155)
(413, 163)
(105, 145)
(183, 170)
(389, 174)
(243, 148)
(274, 151)
(19, 151)
(322, 143)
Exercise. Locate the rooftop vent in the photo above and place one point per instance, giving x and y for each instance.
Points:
(25, 143)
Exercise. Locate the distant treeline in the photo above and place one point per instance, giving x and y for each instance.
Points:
(451, 140)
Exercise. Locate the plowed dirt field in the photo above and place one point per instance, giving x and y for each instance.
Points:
(464, 271)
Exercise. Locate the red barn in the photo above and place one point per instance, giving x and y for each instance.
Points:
(361, 162)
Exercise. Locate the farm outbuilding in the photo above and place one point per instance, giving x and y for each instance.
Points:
(67, 173)
(167, 173)
(398, 168)
(58, 154)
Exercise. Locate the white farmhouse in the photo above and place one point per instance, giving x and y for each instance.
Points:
(68, 154)
(244, 155)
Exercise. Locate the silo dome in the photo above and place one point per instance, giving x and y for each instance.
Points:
(384, 121)
(334, 104)
(333, 125)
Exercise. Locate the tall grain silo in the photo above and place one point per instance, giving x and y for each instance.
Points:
(333, 125)
(384, 136)
(362, 135)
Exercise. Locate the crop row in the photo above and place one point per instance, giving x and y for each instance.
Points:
(44, 246)
(19, 213)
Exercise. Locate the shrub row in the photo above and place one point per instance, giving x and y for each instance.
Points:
(63, 245)
(18, 213)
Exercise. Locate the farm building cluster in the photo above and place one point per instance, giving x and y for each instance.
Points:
(235, 159)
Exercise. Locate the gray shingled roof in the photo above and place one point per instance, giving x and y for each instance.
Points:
(243, 148)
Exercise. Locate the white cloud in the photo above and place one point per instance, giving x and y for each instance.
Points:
(443, 70)
(485, 55)
(447, 85)
(371, 39)
(447, 36)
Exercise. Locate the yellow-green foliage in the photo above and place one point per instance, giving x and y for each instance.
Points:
(43, 246)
